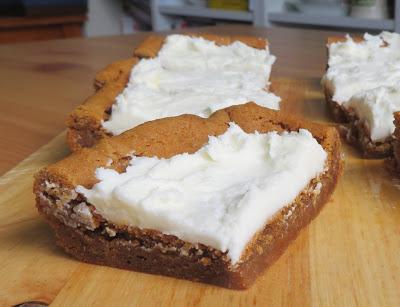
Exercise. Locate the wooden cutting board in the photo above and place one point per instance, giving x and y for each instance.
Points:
(349, 255)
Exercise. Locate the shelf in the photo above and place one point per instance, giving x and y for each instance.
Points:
(187, 10)
(329, 21)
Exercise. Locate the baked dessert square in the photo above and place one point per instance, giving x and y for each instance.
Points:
(173, 75)
(362, 87)
(215, 200)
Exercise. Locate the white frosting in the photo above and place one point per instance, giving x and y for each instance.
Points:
(219, 196)
(194, 76)
(376, 107)
(355, 67)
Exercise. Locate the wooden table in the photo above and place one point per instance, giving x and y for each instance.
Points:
(348, 256)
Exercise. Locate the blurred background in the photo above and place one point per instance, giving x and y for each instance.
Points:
(31, 20)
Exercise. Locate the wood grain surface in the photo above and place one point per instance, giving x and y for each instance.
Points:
(348, 256)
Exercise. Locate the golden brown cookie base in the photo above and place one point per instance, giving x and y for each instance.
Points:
(113, 71)
(85, 137)
(85, 122)
(95, 240)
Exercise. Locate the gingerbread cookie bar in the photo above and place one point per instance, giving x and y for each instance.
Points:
(177, 74)
(206, 200)
(362, 88)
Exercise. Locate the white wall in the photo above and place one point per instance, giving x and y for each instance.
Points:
(104, 18)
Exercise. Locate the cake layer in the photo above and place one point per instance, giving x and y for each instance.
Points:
(83, 232)
(200, 198)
